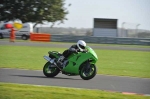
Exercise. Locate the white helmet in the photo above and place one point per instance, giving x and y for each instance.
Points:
(81, 45)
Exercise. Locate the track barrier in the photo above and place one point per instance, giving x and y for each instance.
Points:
(44, 37)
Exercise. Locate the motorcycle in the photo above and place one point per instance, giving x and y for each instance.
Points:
(80, 63)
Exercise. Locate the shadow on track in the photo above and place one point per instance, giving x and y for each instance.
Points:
(45, 77)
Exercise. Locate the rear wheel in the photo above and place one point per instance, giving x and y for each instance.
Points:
(24, 37)
(50, 71)
(1, 36)
(88, 74)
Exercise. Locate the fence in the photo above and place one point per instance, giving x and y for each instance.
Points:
(121, 32)
(100, 40)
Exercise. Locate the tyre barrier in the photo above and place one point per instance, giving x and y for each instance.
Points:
(44, 37)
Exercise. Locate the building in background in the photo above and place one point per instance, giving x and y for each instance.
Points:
(105, 27)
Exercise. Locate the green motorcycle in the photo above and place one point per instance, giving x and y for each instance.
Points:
(81, 63)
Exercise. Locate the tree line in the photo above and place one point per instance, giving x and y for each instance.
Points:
(35, 11)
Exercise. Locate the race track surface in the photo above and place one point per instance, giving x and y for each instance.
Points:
(102, 82)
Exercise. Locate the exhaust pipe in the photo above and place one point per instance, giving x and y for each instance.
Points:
(47, 58)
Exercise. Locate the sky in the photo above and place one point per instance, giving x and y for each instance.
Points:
(133, 12)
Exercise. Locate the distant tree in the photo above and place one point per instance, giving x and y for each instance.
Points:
(36, 11)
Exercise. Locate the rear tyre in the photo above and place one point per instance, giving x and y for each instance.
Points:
(24, 37)
(1, 36)
(49, 71)
(88, 74)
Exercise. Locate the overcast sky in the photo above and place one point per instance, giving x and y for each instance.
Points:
(82, 12)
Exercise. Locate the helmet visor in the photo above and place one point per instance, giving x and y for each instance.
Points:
(81, 46)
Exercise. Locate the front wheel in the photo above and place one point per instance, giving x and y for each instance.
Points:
(88, 74)
(50, 71)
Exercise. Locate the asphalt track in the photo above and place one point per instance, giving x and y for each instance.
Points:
(102, 82)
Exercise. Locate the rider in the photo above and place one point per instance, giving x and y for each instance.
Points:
(79, 47)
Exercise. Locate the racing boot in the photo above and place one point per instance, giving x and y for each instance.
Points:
(60, 61)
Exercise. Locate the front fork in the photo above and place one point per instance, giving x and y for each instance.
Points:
(87, 68)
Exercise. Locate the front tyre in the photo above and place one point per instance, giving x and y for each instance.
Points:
(49, 71)
(88, 74)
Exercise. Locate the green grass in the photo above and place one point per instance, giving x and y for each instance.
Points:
(16, 91)
(111, 62)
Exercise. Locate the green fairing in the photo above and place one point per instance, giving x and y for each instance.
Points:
(75, 60)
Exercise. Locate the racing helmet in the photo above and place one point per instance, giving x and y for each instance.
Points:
(81, 45)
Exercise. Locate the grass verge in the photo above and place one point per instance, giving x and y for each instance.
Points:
(19, 91)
